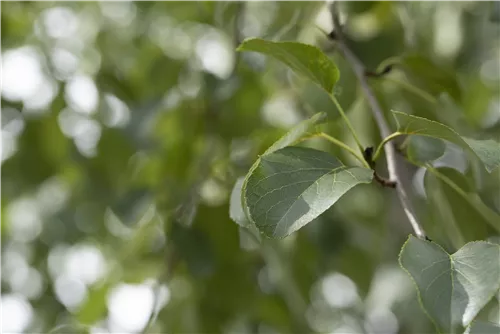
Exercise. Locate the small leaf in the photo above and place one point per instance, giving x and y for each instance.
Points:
(303, 59)
(297, 132)
(488, 151)
(292, 186)
(452, 288)
(422, 150)
(482, 327)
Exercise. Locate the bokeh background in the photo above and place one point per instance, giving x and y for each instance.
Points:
(126, 124)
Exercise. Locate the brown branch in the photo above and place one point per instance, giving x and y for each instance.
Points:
(390, 152)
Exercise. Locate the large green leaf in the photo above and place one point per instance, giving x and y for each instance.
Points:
(302, 129)
(304, 59)
(488, 151)
(452, 288)
(292, 186)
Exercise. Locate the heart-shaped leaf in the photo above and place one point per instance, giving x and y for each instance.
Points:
(290, 187)
(452, 288)
(488, 151)
(303, 59)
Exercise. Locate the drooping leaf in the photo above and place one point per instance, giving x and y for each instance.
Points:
(488, 151)
(294, 185)
(303, 59)
(425, 149)
(482, 327)
(452, 288)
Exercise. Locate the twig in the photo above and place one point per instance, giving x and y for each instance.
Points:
(392, 162)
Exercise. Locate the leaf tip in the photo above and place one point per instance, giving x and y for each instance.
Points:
(243, 44)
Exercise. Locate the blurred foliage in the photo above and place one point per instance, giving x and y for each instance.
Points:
(127, 126)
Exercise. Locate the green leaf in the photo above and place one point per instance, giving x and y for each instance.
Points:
(94, 307)
(452, 288)
(433, 78)
(495, 12)
(482, 327)
(424, 149)
(488, 151)
(468, 206)
(294, 185)
(296, 133)
(303, 59)
(291, 137)
(440, 208)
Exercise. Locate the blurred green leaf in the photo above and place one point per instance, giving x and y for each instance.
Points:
(452, 288)
(495, 12)
(194, 248)
(42, 152)
(424, 149)
(358, 7)
(292, 186)
(95, 306)
(304, 59)
(477, 100)
(296, 133)
(488, 151)
(468, 208)
(433, 78)
(481, 327)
